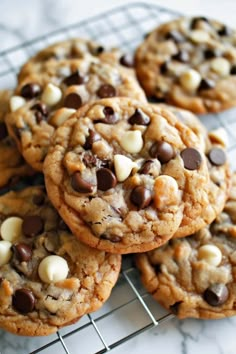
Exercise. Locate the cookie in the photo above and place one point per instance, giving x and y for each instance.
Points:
(43, 101)
(48, 279)
(214, 143)
(122, 173)
(12, 165)
(191, 63)
(196, 276)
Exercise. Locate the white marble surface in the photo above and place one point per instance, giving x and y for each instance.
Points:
(22, 20)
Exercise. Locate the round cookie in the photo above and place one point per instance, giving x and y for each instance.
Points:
(43, 101)
(196, 276)
(122, 173)
(12, 165)
(48, 279)
(191, 63)
(214, 144)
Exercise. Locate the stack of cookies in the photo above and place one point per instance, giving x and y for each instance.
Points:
(124, 173)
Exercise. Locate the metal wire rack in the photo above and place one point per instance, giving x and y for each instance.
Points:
(130, 308)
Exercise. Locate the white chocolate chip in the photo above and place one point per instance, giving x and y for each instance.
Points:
(16, 102)
(61, 115)
(210, 254)
(219, 136)
(5, 252)
(132, 141)
(52, 269)
(51, 95)
(11, 228)
(221, 66)
(199, 36)
(190, 80)
(123, 167)
(166, 192)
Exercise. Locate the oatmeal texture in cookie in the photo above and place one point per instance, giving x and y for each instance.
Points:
(43, 101)
(191, 63)
(48, 279)
(196, 276)
(122, 174)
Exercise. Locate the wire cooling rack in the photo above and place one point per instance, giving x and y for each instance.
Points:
(130, 310)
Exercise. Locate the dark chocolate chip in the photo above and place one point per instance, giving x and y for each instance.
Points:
(106, 91)
(157, 268)
(206, 84)
(23, 252)
(164, 67)
(127, 60)
(191, 158)
(30, 90)
(73, 100)
(224, 31)
(38, 199)
(32, 225)
(141, 197)
(139, 117)
(105, 179)
(195, 20)
(100, 49)
(41, 111)
(3, 131)
(182, 56)
(74, 79)
(211, 53)
(79, 184)
(216, 294)
(89, 160)
(156, 99)
(175, 307)
(233, 70)
(23, 300)
(112, 238)
(110, 116)
(144, 170)
(175, 35)
(90, 139)
(217, 156)
(162, 151)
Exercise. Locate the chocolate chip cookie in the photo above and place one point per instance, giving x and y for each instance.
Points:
(214, 143)
(191, 63)
(196, 276)
(123, 174)
(12, 165)
(48, 279)
(43, 101)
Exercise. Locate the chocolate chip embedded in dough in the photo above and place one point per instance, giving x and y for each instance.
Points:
(32, 225)
(175, 35)
(206, 84)
(163, 151)
(23, 300)
(110, 116)
(141, 197)
(192, 158)
(164, 67)
(233, 70)
(100, 49)
(3, 131)
(181, 56)
(139, 117)
(216, 294)
(146, 167)
(74, 79)
(105, 179)
(41, 111)
(73, 100)
(127, 60)
(112, 238)
(79, 184)
(211, 53)
(217, 156)
(23, 252)
(224, 31)
(30, 90)
(195, 21)
(106, 91)
(38, 199)
(90, 139)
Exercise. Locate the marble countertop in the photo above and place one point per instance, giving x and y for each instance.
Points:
(24, 20)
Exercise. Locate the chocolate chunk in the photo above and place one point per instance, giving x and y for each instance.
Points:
(216, 294)
(162, 151)
(182, 56)
(175, 307)
(41, 111)
(38, 199)
(23, 252)
(144, 170)
(141, 197)
(211, 53)
(195, 21)
(139, 117)
(164, 67)
(105, 179)
(127, 60)
(224, 31)
(112, 238)
(74, 79)
(3, 131)
(23, 300)
(217, 156)
(89, 160)
(32, 225)
(30, 90)
(175, 35)
(191, 158)
(91, 138)
(73, 100)
(233, 70)
(106, 91)
(79, 184)
(206, 84)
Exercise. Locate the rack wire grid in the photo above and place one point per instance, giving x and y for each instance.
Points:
(130, 309)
